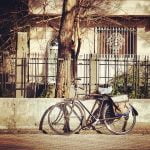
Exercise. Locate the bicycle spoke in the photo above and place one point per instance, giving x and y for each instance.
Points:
(64, 118)
(122, 124)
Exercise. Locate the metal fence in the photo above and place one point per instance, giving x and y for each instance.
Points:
(32, 76)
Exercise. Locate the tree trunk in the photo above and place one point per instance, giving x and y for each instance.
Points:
(63, 81)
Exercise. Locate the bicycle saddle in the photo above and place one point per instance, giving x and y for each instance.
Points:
(107, 90)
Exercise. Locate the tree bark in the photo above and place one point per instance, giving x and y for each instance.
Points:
(63, 80)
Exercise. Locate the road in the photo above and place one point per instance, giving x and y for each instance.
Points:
(42, 141)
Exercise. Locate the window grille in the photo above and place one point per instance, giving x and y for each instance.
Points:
(117, 41)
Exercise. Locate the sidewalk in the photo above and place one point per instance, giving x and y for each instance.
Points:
(74, 142)
(142, 128)
(139, 128)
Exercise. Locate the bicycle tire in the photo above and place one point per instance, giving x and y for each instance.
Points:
(119, 123)
(65, 118)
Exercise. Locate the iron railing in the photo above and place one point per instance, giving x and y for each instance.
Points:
(31, 75)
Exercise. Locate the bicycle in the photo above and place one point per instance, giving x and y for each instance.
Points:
(70, 116)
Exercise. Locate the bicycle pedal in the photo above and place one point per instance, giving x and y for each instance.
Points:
(85, 128)
(96, 122)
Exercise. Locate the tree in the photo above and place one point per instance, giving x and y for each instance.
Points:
(69, 14)
(74, 12)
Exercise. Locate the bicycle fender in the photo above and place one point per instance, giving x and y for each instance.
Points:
(134, 110)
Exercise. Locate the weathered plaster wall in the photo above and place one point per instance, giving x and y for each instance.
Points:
(87, 46)
(121, 7)
(39, 37)
(27, 113)
(45, 6)
(143, 42)
(23, 113)
(133, 7)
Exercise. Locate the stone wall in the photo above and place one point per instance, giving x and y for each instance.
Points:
(27, 113)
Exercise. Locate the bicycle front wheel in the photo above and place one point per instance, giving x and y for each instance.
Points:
(65, 118)
(117, 122)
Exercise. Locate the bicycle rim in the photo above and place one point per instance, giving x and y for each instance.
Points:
(65, 118)
(119, 123)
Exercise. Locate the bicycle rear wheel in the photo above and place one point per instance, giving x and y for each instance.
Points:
(117, 122)
(65, 118)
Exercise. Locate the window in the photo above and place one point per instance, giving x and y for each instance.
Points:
(116, 41)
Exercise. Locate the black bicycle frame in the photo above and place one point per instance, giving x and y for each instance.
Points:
(90, 113)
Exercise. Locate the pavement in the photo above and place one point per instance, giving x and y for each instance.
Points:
(139, 128)
(138, 139)
(74, 142)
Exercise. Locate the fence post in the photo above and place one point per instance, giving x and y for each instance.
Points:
(93, 73)
(22, 48)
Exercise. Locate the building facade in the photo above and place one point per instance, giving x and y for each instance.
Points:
(124, 32)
